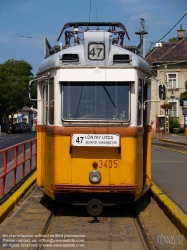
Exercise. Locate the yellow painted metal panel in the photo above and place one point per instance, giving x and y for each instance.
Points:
(148, 167)
(40, 158)
(139, 165)
(83, 158)
(49, 161)
(139, 153)
(128, 160)
(62, 161)
(60, 165)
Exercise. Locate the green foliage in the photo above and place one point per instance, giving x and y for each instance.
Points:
(14, 76)
(185, 84)
(173, 40)
(180, 131)
(173, 124)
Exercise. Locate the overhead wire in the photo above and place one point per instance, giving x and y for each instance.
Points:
(166, 33)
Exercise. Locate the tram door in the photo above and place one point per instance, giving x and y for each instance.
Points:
(43, 137)
(142, 97)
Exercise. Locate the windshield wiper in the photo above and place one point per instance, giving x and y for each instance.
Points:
(79, 102)
(81, 96)
(109, 96)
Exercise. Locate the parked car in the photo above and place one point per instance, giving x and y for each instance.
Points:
(18, 127)
(26, 126)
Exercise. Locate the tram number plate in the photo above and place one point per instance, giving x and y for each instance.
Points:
(95, 140)
(96, 51)
(108, 163)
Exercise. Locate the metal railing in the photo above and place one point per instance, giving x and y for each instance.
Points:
(16, 162)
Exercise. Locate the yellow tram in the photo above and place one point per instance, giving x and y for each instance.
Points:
(93, 127)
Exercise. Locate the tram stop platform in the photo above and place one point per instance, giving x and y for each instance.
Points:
(169, 178)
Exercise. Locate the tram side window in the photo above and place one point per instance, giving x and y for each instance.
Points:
(45, 97)
(51, 101)
(140, 88)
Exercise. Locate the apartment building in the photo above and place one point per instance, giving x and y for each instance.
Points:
(169, 65)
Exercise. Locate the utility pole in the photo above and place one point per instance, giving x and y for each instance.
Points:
(141, 33)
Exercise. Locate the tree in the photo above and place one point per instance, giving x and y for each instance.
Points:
(173, 40)
(183, 95)
(14, 76)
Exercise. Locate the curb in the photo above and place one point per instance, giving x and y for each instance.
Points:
(9, 204)
(175, 214)
(174, 142)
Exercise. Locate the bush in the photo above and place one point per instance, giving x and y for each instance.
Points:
(180, 130)
(174, 125)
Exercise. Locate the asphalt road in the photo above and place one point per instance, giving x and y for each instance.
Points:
(169, 171)
(7, 140)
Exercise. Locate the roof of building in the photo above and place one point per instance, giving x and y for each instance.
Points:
(169, 52)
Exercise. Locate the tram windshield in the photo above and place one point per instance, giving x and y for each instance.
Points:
(96, 101)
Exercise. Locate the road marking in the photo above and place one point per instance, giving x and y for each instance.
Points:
(167, 161)
(8, 138)
(182, 152)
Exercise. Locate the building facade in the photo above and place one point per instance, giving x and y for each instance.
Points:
(169, 65)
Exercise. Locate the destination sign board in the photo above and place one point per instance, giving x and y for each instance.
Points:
(95, 140)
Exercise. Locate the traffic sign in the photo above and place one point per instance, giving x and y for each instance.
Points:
(184, 111)
(184, 103)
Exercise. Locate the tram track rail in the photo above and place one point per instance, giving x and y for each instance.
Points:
(144, 239)
(141, 230)
(38, 219)
(44, 232)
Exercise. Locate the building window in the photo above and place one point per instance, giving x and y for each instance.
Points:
(172, 79)
(174, 111)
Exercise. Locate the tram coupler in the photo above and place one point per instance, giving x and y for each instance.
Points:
(94, 208)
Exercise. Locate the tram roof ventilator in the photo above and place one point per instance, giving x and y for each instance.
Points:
(70, 58)
(121, 58)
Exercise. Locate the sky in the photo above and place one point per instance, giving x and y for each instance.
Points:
(24, 23)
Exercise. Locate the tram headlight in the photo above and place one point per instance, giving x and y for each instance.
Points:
(95, 176)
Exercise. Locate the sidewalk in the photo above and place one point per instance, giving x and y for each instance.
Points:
(169, 177)
(179, 139)
(3, 134)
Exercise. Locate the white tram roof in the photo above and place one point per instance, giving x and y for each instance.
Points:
(76, 55)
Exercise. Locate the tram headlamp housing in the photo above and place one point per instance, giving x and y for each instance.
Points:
(95, 176)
